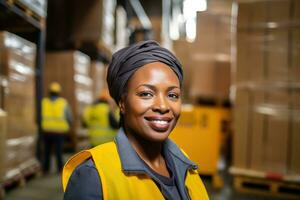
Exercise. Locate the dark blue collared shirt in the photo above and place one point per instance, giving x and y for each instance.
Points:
(85, 183)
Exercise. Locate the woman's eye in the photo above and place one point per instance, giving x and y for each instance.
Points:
(145, 94)
(174, 96)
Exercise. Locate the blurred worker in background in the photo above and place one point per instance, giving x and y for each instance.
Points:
(56, 123)
(100, 119)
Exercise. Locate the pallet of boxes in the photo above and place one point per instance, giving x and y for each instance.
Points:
(98, 76)
(71, 69)
(266, 154)
(206, 62)
(18, 114)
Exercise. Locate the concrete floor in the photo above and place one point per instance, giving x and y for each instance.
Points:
(49, 188)
(39, 188)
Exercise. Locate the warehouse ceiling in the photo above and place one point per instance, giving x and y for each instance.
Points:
(71, 13)
(152, 8)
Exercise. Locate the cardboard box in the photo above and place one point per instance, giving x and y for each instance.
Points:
(240, 67)
(250, 60)
(294, 69)
(261, 122)
(256, 131)
(18, 65)
(209, 41)
(182, 50)
(294, 137)
(20, 152)
(122, 35)
(98, 75)
(276, 52)
(241, 117)
(257, 14)
(210, 79)
(262, 57)
(3, 132)
(243, 15)
(93, 21)
(279, 11)
(277, 132)
(16, 48)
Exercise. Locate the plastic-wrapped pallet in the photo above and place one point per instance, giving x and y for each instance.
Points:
(98, 75)
(18, 67)
(266, 88)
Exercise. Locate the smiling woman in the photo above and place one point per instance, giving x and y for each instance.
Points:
(142, 163)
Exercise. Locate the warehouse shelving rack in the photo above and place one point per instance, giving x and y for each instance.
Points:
(17, 19)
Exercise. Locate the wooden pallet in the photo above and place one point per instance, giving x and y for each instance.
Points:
(263, 186)
(28, 12)
(13, 177)
(18, 177)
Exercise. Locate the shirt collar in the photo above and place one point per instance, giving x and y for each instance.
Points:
(131, 162)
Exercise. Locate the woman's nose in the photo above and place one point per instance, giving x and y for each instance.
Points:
(161, 104)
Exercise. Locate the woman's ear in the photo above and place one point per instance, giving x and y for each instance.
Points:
(121, 105)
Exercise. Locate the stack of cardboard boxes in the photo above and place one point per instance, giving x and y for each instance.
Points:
(206, 61)
(17, 58)
(72, 70)
(93, 22)
(98, 75)
(266, 85)
(211, 53)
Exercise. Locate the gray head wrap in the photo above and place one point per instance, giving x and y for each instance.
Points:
(127, 60)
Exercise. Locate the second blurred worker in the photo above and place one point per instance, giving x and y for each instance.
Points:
(56, 123)
(100, 119)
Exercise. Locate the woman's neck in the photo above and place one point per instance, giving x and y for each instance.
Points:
(150, 152)
(146, 149)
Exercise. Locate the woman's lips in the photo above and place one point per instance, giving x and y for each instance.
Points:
(159, 124)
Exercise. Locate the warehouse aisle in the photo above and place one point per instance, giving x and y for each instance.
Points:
(41, 188)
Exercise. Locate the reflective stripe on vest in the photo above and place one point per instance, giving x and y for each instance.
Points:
(97, 120)
(118, 185)
(53, 115)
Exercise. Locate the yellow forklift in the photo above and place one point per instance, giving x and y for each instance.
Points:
(200, 132)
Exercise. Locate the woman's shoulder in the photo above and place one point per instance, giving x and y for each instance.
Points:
(89, 163)
(84, 182)
(86, 170)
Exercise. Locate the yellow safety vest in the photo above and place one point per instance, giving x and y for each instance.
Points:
(118, 185)
(53, 115)
(97, 121)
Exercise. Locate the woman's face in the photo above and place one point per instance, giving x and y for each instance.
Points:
(153, 102)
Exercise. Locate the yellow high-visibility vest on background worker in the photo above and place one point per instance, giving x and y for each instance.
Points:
(118, 185)
(96, 117)
(53, 115)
